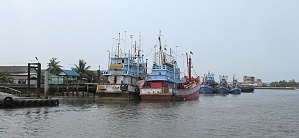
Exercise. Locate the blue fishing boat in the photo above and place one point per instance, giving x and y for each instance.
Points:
(164, 82)
(222, 88)
(234, 88)
(125, 69)
(208, 84)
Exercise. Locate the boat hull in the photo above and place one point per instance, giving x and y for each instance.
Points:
(235, 91)
(118, 96)
(206, 89)
(173, 95)
(156, 97)
(222, 89)
(117, 93)
(247, 89)
(192, 96)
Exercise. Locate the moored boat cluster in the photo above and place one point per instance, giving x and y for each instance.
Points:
(128, 79)
(210, 86)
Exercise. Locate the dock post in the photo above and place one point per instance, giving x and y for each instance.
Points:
(28, 81)
(67, 90)
(77, 89)
(46, 85)
(87, 90)
(39, 70)
(57, 90)
(83, 91)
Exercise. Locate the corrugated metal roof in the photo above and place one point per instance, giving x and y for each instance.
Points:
(13, 69)
(68, 73)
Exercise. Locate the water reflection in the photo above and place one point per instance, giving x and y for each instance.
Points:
(212, 95)
(77, 101)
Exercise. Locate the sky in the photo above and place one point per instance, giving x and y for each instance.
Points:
(257, 38)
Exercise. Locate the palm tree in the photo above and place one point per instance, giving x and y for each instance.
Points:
(53, 66)
(83, 70)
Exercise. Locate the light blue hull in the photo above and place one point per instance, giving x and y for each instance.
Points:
(235, 91)
(207, 89)
(222, 89)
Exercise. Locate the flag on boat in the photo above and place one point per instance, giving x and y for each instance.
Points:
(191, 52)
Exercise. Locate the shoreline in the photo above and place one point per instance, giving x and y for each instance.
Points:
(277, 88)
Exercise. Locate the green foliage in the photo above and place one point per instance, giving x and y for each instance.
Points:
(283, 83)
(53, 66)
(84, 71)
(4, 78)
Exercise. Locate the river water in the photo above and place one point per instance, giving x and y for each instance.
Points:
(265, 113)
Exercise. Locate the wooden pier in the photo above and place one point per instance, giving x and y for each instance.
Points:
(18, 96)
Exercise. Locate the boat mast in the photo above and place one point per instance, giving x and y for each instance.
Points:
(118, 45)
(113, 46)
(160, 50)
(189, 66)
(131, 36)
(135, 49)
(129, 58)
(174, 68)
(138, 57)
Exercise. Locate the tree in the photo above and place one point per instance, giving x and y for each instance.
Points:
(4, 78)
(264, 85)
(292, 83)
(283, 83)
(53, 66)
(83, 70)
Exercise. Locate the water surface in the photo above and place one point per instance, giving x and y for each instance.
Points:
(265, 113)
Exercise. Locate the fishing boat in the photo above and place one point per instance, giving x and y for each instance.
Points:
(164, 82)
(222, 88)
(208, 84)
(124, 71)
(246, 88)
(234, 88)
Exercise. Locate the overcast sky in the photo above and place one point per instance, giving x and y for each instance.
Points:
(244, 37)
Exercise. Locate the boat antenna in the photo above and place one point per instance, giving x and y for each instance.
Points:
(125, 42)
(139, 48)
(170, 52)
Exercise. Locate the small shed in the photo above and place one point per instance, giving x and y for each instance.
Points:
(69, 76)
(54, 79)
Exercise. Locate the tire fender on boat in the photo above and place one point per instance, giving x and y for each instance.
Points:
(8, 101)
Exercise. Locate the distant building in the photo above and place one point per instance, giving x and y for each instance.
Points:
(252, 81)
(248, 79)
(20, 74)
(258, 82)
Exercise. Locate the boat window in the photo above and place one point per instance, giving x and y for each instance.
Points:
(122, 61)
